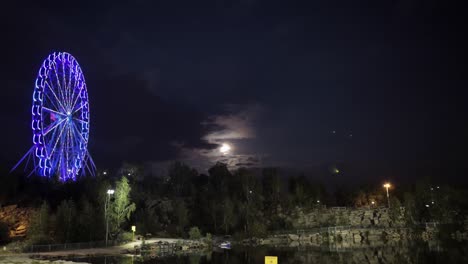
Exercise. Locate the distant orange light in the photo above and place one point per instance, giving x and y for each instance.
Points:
(387, 185)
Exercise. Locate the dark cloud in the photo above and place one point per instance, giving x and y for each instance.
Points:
(234, 127)
(135, 128)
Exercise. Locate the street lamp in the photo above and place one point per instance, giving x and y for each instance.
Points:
(133, 231)
(386, 186)
(109, 192)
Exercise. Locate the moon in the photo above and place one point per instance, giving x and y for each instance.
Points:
(225, 148)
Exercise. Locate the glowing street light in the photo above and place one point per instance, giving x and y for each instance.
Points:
(387, 186)
(109, 193)
(133, 231)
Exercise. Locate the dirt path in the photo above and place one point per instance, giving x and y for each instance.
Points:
(121, 249)
(117, 250)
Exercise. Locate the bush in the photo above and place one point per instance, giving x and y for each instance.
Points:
(258, 229)
(194, 233)
(208, 237)
(278, 223)
(125, 237)
(39, 240)
(4, 233)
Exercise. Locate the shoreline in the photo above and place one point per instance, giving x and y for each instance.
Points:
(347, 238)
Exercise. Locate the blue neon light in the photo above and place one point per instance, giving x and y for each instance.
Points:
(60, 117)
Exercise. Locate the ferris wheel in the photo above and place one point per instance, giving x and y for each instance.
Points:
(60, 120)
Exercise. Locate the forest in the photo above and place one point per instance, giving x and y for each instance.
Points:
(242, 203)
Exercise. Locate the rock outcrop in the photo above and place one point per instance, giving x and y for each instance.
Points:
(341, 216)
(17, 219)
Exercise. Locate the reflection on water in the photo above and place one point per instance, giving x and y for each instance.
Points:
(414, 253)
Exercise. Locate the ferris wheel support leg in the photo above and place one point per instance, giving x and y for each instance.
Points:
(92, 166)
(30, 152)
(27, 162)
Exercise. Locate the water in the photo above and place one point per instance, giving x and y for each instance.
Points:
(451, 253)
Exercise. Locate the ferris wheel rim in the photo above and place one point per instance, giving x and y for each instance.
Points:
(60, 105)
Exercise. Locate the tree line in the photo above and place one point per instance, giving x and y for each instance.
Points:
(244, 202)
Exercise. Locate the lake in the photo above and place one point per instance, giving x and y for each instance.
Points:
(435, 252)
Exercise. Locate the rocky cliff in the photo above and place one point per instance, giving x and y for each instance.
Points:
(340, 216)
(16, 218)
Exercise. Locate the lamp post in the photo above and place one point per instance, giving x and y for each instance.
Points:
(386, 186)
(133, 231)
(109, 192)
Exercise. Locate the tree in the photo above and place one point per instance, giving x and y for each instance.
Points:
(65, 222)
(39, 228)
(121, 208)
(4, 232)
(251, 202)
(228, 215)
(213, 212)
(394, 211)
(257, 229)
(181, 215)
(219, 176)
(300, 188)
(271, 189)
(411, 212)
(194, 233)
(132, 171)
(89, 222)
(179, 178)
(147, 219)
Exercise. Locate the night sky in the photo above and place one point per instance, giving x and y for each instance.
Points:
(374, 88)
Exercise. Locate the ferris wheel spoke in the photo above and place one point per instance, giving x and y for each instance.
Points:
(59, 105)
(81, 121)
(75, 143)
(66, 89)
(52, 126)
(79, 133)
(57, 79)
(50, 139)
(68, 149)
(73, 99)
(62, 83)
(67, 86)
(77, 96)
(78, 109)
(58, 164)
(75, 139)
(52, 111)
(62, 161)
(56, 97)
(57, 108)
(56, 142)
(72, 89)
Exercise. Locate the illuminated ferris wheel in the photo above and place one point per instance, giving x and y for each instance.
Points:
(60, 120)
